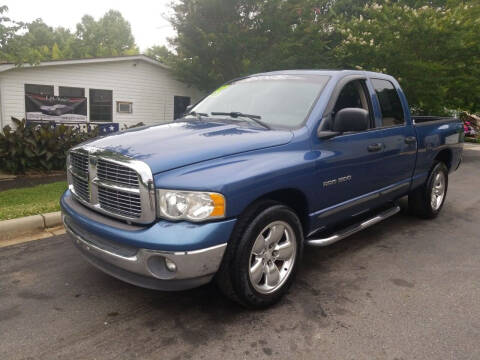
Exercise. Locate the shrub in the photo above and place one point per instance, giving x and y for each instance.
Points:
(38, 147)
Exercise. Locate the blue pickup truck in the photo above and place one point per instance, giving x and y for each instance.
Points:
(258, 169)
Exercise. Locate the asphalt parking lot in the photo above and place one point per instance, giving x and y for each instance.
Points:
(403, 289)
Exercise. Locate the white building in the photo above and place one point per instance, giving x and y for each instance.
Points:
(124, 90)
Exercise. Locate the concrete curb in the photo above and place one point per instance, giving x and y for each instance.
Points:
(15, 227)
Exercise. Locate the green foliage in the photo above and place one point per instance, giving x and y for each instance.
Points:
(161, 53)
(111, 35)
(472, 139)
(8, 31)
(434, 51)
(37, 147)
(39, 42)
(432, 46)
(219, 40)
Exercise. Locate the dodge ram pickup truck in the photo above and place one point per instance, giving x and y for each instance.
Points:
(258, 169)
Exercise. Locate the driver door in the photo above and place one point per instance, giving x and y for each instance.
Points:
(347, 169)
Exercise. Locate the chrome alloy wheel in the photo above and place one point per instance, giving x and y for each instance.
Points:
(438, 190)
(272, 257)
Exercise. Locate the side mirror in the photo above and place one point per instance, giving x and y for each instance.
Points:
(351, 119)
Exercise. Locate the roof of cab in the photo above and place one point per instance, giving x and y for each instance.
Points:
(322, 72)
(326, 72)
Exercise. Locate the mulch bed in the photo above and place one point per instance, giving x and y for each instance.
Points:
(22, 181)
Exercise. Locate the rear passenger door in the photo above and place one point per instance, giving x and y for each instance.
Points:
(396, 136)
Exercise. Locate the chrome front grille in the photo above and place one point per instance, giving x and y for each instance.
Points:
(116, 173)
(81, 188)
(79, 163)
(118, 201)
(113, 184)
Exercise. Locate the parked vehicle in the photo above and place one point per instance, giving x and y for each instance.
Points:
(263, 166)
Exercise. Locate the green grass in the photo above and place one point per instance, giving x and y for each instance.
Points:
(472, 140)
(34, 200)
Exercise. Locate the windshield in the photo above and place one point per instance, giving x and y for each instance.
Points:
(279, 100)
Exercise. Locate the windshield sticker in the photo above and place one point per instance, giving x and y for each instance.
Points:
(219, 90)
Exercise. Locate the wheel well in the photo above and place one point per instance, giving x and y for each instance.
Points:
(294, 199)
(445, 156)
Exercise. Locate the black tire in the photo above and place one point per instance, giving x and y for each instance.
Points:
(233, 277)
(420, 199)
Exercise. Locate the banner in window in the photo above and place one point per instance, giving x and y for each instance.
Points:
(60, 109)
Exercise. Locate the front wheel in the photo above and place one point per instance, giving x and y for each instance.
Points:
(262, 256)
(427, 200)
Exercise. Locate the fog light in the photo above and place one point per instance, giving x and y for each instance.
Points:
(170, 265)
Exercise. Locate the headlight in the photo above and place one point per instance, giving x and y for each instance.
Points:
(190, 205)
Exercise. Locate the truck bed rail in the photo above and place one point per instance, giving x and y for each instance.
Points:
(420, 120)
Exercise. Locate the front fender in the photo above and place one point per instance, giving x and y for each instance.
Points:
(246, 177)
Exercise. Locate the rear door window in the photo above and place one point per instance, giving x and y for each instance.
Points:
(390, 104)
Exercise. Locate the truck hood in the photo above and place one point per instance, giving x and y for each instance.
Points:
(168, 146)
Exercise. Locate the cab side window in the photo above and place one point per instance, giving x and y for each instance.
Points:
(353, 95)
(350, 97)
(392, 110)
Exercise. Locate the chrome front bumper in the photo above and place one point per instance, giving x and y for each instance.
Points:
(145, 267)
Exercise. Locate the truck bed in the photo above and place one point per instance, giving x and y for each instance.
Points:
(436, 134)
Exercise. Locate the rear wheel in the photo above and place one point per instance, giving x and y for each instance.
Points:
(262, 255)
(427, 200)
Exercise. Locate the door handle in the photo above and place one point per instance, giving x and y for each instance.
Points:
(375, 147)
(410, 140)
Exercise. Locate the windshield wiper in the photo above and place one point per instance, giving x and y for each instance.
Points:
(197, 114)
(236, 114)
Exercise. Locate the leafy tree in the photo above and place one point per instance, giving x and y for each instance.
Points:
(8, 31)
(39, 42)
(111, 35)
(432, 50)
(218, 40)
(160, 53)
(56, 53)
(213, 40)
(432, 46)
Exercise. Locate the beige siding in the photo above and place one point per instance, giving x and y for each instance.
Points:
(149, 87)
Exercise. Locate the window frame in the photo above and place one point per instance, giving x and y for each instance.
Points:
(60, 88)
(37, 93)
(91, 103)
(119, 103)
(329, 110)
(380, 105)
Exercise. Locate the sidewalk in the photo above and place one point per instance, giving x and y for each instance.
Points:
(471, 146)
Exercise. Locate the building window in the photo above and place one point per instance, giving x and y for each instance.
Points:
(45, 90)
(124, 107)
(180, 104)
(73, 92)
(100, 105)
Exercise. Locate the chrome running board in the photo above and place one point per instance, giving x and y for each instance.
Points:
(342, 234)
